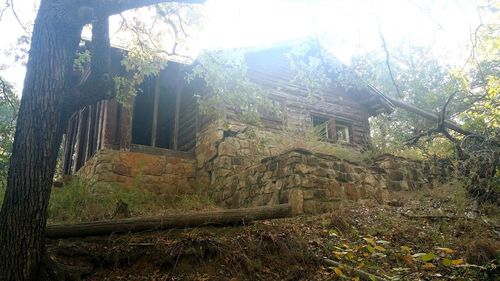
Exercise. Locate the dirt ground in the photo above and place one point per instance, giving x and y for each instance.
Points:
(432, 234)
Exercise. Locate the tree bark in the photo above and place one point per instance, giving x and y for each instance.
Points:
(42, 116)
(38, 135)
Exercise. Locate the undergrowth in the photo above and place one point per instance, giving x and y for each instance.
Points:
(312, 139)
(80, 201)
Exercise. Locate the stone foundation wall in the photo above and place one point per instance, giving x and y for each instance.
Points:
(225, 149)
(151, 172)
(321, 180)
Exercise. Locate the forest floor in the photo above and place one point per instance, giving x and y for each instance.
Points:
(427, 235)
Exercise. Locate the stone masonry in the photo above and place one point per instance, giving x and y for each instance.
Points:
(156, 173)
(322, 181)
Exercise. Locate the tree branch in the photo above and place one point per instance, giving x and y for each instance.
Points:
(384, 45)
(98, 83)
(113, 7)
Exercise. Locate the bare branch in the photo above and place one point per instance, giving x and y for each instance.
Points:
(17, 17)
(384, 45)
(2, 10)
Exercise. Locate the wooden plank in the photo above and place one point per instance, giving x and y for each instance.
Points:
(225, 217)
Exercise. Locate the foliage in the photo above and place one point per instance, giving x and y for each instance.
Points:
(9, 105)
(423, 81)
(225, 76)
(144, 34)
(317, 70)
(139, 63)
(480, 77)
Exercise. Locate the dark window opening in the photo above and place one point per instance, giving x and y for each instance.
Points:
(165, 115)
(143, 114)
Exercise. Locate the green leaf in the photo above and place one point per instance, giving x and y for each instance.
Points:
(446, 262)
(370, 249)
(329, 245)
(428, 257)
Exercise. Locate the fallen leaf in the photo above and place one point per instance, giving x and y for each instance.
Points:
(370, 240)
(370, 249)
(338, 271)
(457, 262)
(446, 262)
(405, 249)
(428, 266)
(446, 250)
(428, 257)
(408, 260)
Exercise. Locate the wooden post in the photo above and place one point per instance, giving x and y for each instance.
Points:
(332, 129)
(177, 112)
(104, 127)
(88, 134)
(76, 146)
(67, 147)
(155, 111)
(100, 109)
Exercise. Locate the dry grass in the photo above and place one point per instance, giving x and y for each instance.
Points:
(80, 201)
(310, 139)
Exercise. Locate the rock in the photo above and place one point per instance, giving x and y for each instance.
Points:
(296, 200)
(121, 169)
(395, 175)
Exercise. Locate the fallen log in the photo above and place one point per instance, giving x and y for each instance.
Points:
(224, 217)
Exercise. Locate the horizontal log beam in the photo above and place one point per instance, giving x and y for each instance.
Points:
(225, 217)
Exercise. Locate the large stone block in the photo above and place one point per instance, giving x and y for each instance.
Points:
(336, 190)
(351, 191)
(395, 175)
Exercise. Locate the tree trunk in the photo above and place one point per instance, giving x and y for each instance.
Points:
(38, 134)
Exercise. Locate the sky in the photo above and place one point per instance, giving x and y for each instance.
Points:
(346, 27)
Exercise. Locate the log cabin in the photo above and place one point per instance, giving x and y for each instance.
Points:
(161, 141)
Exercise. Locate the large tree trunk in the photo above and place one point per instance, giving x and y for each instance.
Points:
(38, 135)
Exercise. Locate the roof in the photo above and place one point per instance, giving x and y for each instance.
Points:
(269, 66)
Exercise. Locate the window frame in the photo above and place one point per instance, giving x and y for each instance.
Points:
(332, 123)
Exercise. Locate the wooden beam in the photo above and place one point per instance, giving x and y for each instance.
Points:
(225, 217)
(155, 110)
(177, 113)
